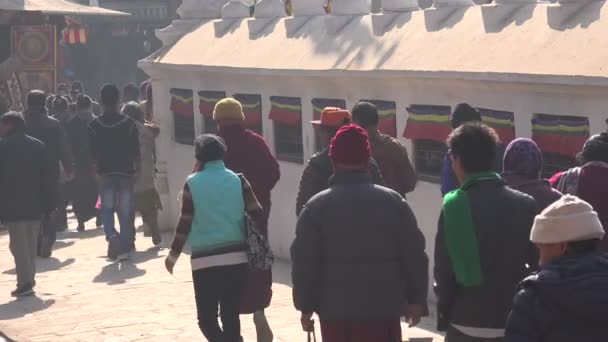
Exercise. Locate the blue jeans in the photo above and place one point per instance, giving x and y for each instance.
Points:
(117, 196)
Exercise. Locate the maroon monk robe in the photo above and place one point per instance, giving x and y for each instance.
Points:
(593, 188)
(249, 154)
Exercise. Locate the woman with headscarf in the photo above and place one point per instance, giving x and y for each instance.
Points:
(589, 182)
(522, 169)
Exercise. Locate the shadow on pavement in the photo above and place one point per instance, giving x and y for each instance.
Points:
(62, 244)
(118, 273)
(4, 338)
(46, 265)
(20, 307)
(87, 234)
(52, 264)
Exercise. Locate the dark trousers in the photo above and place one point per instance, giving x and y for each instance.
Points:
(385, 330)
(47, 234)
(219, 287)
(454, 335)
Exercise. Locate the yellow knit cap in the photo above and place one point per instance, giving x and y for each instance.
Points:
(228, 109)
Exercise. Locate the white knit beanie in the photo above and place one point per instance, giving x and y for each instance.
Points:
(568, 219)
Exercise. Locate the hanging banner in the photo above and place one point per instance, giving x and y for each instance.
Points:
(564, 135)
(387, 110)
(502, 122)
(181, 102)
(286, 110)
(182, 108)
(319, 104)
(208, 100)
(252, 108)
(428, 122)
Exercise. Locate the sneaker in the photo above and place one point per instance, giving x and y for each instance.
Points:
(157, 240)
(123, 256)
(24, 291)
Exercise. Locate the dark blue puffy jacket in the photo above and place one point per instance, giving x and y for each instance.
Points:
(567, 301)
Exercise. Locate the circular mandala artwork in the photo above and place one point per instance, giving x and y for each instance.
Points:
(33, 47)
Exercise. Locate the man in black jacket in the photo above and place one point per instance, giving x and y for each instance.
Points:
(48, 130)
(27, 194)
(319, 168)
(358, 256)
(115, 151)
(482, 246)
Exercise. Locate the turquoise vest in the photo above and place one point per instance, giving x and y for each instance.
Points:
(219, 208)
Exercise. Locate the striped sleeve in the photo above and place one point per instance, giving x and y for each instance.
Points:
(185, 223)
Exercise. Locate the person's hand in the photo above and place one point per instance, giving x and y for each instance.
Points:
(308, 324)
(170, 264)
(413, 314)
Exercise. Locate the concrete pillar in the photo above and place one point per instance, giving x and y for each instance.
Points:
(400, 5)
(351, 7)
(269, 9)
(235, 9)
(201, 9)
(307, 8)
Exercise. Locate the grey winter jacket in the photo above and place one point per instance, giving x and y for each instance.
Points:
(358, 252)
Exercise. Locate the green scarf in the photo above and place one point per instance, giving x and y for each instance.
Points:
(460, 232)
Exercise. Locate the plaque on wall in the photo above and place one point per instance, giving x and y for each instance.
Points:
(34, 45)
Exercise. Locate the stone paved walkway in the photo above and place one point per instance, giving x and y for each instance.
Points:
(83, 297)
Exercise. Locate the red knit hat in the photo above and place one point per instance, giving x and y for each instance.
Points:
(350, 146)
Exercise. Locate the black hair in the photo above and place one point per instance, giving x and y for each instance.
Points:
(475, 145)
(209, 147)
(365, 114)
(36, 99)
(62, 86)
(83, 102)
(13, 118)
(464, 113)
(130, 92)
(110, 95)
(60, 104)
(132, 110)
(49, 102)
(595, 149)
(583, 247)
(77, 86)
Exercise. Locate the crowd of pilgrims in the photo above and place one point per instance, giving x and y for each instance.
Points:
(517, 258)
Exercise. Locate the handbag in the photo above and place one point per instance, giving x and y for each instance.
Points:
(259, 254)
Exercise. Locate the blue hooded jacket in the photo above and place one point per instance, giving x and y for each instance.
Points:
(566, 301)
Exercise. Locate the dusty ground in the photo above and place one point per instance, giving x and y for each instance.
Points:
(81, 296)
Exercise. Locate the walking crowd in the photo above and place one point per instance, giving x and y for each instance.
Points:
(517, 258)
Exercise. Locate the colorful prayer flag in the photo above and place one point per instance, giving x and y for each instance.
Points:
(387, 110)
(428, 122)
(208, 100)
(501, 121)
(319, 104)
(252, 107)
(286, 110)
(564, 135)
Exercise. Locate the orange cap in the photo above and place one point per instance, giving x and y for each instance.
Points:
(333, 117)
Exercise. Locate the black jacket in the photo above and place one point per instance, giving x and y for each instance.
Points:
(358, 252)
(48, 130)
(114, 144)
(566, 301)
(503, 219)
(317, 173)
(26, 181)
